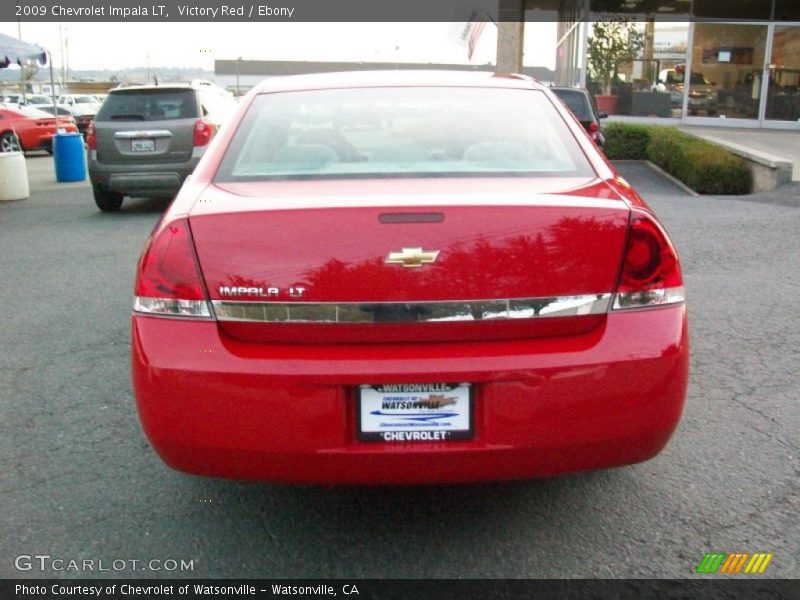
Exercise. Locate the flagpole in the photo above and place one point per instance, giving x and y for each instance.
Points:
(53, 87)
(22, 68)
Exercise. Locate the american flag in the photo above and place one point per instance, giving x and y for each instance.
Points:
(475, 30)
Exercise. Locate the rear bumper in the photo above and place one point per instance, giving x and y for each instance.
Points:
(215, 406)
(39, 141)
(147, 179)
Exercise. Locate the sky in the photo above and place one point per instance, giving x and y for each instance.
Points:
(196, 45)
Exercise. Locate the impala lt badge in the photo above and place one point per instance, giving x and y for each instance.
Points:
(412, 258)
(260, 292)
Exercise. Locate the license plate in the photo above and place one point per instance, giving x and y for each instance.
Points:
(143, 145)
(415, 412)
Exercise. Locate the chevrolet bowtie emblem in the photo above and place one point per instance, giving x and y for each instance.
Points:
(412, 257)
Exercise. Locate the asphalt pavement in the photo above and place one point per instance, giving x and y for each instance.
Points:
(78, 480)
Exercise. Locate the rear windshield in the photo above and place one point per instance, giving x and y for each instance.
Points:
(34, 113)
(49, 110)
(426, 131)
(149, 105)
(84, 100)
(578, 103)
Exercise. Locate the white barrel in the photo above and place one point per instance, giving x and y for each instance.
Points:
(13, 176)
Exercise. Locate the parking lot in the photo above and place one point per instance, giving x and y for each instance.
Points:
(79, 481)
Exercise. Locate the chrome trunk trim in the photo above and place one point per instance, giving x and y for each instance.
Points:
(401, 312)
(153, 133)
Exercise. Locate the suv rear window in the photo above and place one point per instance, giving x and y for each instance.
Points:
(424, 131)
(577, 102)
(149, 105)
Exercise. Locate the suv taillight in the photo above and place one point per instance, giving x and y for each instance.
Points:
(594, 127)
(168, 280)
(203, 132)
(651, 273)
(91, 138)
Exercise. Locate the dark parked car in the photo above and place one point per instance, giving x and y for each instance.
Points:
(81, 120)
(582, 105)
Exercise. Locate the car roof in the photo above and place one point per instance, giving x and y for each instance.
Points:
(169, 87)
(398, 78)
(561, 88)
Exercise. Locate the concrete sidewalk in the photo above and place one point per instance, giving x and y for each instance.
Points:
(766, 144)
(778, 142)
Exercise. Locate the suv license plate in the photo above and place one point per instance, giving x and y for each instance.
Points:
(143, 145)
(415, 412)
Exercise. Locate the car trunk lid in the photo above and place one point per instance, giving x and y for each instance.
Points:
(300, 262)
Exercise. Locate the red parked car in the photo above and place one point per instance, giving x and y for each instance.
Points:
(25, 128)
(407, 277)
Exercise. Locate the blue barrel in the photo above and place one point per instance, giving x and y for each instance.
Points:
(69, 157)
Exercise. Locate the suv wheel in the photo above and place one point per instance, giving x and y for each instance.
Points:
(105, 200)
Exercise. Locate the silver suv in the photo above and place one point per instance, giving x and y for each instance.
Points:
(145, 140)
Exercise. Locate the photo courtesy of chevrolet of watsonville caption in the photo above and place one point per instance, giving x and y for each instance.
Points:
(407, 277)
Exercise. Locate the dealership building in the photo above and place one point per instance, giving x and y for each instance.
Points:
(740, 57)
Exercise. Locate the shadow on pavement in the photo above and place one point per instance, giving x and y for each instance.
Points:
(353, 506)
(138, 206)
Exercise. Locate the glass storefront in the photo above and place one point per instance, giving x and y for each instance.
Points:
(741, 72)
(783, 95)
(727, 70)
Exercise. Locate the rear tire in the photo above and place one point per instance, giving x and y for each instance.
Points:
(9, 142)
(105, 200)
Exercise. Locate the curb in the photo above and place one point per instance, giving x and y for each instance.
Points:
(673, 179)
(660, 171)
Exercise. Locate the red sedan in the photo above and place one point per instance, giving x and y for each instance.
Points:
(407, 277)
(26, 128)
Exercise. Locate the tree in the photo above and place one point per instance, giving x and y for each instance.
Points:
(614, 42)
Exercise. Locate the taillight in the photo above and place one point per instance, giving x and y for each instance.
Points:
(168, 279)
(91, 138)
(651, 273)
(203, 132)
(594, 127)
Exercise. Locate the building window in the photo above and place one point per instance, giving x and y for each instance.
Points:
(783, 100)
(727, 70)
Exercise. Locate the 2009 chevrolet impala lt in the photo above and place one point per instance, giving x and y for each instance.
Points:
(407, 277)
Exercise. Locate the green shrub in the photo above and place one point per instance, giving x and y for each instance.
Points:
(626, 141)
(703, 166)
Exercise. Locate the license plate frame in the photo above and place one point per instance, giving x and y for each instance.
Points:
(143, 145)
(415, 412)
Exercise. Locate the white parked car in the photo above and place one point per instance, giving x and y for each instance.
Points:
(79, 101)
(38, 100)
